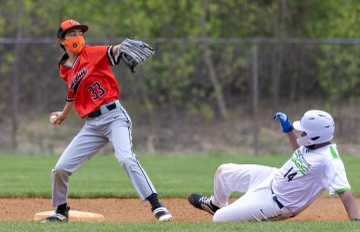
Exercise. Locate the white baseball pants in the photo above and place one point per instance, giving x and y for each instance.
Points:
(256, 204)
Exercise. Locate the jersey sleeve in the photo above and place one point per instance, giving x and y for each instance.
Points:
(103, 55)
(113, 58)
(336, 177)
(70, 96)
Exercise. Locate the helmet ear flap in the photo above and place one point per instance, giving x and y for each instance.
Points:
(304, 141)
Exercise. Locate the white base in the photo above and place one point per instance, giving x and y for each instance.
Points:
(74, 216)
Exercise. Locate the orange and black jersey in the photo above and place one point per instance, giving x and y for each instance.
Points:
(90, 81)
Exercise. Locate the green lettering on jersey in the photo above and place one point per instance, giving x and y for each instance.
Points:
(300, 162)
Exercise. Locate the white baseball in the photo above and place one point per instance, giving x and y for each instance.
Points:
(52, 119)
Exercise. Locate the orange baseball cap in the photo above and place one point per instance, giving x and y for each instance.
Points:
(70, 24)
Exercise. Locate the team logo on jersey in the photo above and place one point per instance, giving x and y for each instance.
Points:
(300, 162)
(77, 78)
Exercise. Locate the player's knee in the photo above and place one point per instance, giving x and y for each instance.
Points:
(60, 173)
(221, 169)
(129, 162)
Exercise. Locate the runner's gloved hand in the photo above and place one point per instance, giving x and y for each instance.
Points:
(284, 122)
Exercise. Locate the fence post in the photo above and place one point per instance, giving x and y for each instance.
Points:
(255, 97)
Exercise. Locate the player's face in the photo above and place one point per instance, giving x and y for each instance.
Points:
(73, 41)
(72, 33)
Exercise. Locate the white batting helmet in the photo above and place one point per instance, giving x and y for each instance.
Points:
(318, 125)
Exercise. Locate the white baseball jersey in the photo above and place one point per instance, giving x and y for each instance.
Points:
(295, 185)
(306, 174)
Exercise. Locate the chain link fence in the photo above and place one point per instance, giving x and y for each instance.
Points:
(194, 95)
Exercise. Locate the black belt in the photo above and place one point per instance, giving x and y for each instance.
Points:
(97, 113)
(276, 200)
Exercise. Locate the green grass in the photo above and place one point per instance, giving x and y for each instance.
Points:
(182, 227)
(172, 175)
(102, 176)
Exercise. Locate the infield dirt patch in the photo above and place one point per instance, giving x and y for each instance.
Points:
(134, 210)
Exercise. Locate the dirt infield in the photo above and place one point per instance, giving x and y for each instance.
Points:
(133, 210)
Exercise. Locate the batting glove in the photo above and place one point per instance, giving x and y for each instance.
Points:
(284, 122)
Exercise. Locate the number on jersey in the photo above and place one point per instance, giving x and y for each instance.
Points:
(289, 175)
(96, 91)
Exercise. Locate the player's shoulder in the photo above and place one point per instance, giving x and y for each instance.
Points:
(330, 152)
(88, 48)
(325, 153)
(94, 51)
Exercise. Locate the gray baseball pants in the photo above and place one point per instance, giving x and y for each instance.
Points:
(114, 126)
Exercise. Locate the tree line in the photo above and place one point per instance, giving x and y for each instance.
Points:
(212, 56)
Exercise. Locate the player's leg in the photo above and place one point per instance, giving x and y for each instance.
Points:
(231, 178)
(84, 145)
(253, 206)
(121, 138)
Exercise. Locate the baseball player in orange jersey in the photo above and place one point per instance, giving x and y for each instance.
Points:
(93, 91)
(273, 194)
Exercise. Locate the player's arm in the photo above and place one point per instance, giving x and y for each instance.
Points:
(61, 116)
(349, 203)
(287, 128)
(293, 140)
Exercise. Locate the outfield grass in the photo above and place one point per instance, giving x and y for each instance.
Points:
(172, 175)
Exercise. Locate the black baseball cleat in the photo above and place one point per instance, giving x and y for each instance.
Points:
(203, 203)
(162, 214)
(58, 216)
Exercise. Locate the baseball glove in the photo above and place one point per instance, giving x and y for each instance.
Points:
(134, 52)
